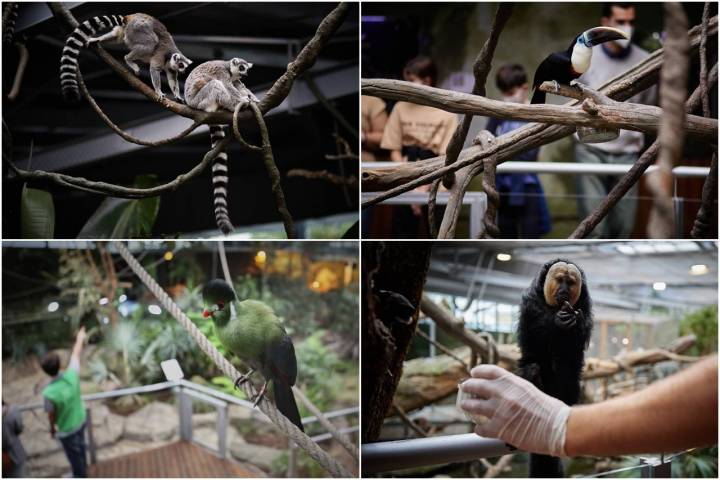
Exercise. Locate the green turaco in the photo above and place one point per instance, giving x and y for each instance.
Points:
(256, 335)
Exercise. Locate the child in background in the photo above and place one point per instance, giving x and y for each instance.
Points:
(416, 132)
(523, 212)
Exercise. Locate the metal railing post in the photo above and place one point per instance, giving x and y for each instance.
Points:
(185, 413)
(92, 448)
(292, 460)
(222, 424)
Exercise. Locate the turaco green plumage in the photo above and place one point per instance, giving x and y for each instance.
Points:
(256, 335)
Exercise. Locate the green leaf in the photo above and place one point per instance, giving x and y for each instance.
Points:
(37, 213)
(124, 218)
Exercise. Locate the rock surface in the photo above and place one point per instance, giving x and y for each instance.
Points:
(154, 422)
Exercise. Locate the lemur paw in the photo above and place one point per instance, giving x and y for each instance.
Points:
(161, 96)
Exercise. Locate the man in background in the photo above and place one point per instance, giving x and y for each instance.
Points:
(64, 405)
(608, 60)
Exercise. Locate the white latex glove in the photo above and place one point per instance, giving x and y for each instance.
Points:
(518, 413)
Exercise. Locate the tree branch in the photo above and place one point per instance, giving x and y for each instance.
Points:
(481, 69)
(673, 90)
(324, 175)
(703, 59)
(125, 135)
(405, 177)
(458, 189)
(709, 197)
(108, 189)
(273, 173)
(629, 116)
(635, 172)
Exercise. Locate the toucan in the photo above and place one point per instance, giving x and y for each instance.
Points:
(563, 67)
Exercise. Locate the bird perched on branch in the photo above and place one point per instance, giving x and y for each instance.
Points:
(564, 67)
(256, 335)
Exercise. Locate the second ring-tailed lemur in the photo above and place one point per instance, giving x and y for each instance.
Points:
(210, 87)
(146, 37)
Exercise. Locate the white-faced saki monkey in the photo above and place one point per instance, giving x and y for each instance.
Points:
(553, 333)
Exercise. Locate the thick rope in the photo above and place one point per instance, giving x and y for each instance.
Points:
(283, 424)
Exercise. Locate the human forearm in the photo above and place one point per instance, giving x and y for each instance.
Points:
(78, 347)
(373, 139)
(673, 414)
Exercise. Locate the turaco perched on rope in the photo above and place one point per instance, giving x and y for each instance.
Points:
(256, 335)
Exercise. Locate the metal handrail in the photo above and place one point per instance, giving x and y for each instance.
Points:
(185, 391)
(566, 168)
(422, 452)
(389, 456)
(156, 387)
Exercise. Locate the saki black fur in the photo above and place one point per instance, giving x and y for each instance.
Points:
(553, 334)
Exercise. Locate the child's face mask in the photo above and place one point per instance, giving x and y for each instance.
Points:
(518, 95)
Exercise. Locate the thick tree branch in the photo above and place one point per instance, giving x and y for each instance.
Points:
(634, 174)
(673, 90)
(629, 116)
(405, 177)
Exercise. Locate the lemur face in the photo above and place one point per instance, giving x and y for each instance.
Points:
(179, 62)
(563, 283)
(239, 67)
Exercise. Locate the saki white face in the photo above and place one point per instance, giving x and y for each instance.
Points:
(563, 283)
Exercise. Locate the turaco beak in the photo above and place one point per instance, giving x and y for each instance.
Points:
(207, 313)
(598, 35)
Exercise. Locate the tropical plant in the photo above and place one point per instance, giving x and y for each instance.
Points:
(704, 324)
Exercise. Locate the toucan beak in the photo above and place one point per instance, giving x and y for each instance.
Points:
(598, 35)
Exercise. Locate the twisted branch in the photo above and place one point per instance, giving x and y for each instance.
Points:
(481, 69)
(673, 90)
(112, 190)
(273, 173)
(635, 172)
(703, 60)
(709, 197)
(125, 135)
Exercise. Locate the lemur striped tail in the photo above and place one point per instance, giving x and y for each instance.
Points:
(9, 15)
(220, 181)
(76, 40)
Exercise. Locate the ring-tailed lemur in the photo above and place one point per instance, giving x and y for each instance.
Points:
(212, 86)
(148, 41)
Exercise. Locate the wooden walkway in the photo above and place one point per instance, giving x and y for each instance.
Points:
(180, 459)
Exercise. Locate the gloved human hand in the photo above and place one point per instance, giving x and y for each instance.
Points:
(518, 412)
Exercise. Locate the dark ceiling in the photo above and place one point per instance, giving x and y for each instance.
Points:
(72, 139)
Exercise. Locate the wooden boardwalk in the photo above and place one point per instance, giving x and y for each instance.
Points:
(180, 459)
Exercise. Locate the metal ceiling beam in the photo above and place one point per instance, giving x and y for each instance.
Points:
(90, 150)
